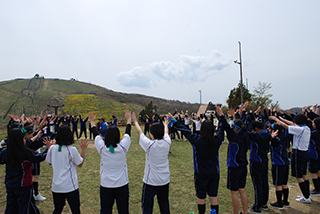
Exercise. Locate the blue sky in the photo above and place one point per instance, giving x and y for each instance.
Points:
(167, 49)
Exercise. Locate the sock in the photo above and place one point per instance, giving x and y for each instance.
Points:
(316, 184)
(202, 208)
(285, 194)
(304, 189)
(279, 196)
(307, 188)
(216, 207)
(35, 187)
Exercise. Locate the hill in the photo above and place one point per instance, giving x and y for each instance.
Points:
(30, 96)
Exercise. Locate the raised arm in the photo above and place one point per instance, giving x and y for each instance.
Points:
(128, 117)
(136, 124)
(166, 122)
(83, 145)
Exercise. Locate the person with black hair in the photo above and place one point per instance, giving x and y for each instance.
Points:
(146, 121)
(103, 127)
(83, 126)
(34, 141)
(64, 158)
(74, 121)
(300, 155)
(156, 177)
(206, 159)
(314, 164)
(114, 181)
(280, 168)
(237, 162)
(18, 159)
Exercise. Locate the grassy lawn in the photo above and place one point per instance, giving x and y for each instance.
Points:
(182, 193)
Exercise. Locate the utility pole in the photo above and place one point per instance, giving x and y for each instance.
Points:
(240, 63)
(200, 97)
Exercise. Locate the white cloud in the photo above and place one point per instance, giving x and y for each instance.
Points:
(188, 69)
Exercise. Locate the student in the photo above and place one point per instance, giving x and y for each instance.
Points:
(146, 123)
(259, 148)
(34, 142)
(114, 182)
(206, 159)
(280, 168)
(83, 126)
(237, 162)
(156, 174)
(64, 159)
(300, 153)
(314, 165)
(103, 127)
(18, 159)
(74, 121)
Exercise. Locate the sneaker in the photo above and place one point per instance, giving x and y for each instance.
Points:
(185, 139)
(304, 200)
(286, 204)
(299, 196)
(265, 207)
(39, 197)
(277, 206)
(251, 210)
(314, 192)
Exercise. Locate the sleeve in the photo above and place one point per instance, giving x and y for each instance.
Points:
(128, 129)
(2, 156)
(126, 141)
(192, 137)
(39, 157)
(76, 158)
(49, 155)
(294, 130)
(144, 142)
(95, 131)
(167, 138)
(99, 143)
(219, 137)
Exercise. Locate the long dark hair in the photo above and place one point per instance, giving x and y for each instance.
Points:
(112, 136)
(64, 135)
(207, 133)
(317, 123)
(16, 146)
(281, 135)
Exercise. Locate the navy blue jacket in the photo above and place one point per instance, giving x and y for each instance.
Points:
(206, 160)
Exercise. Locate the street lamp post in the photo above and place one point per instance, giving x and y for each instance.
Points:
(200, 97)
(240, 63)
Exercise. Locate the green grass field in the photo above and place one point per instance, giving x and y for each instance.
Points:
(182, 193)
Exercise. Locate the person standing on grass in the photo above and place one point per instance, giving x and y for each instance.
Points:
(156, 174)
(114, 181)
(83, 126)
(237, 162)
(206, 159)
(280, 168)
(18, 159)
(300, 156)
(64, 159)
(314, 164)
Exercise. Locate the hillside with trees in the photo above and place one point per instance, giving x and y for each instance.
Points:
(30, 96)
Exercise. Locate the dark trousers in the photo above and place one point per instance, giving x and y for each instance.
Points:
(75, 130)
(148, 193)
(73, 198)
(85, 133)
(108, 195)
(20, 200)
(259, 175)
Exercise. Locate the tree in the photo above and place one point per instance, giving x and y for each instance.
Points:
(261, 95)
(150, 109)
(234, 98)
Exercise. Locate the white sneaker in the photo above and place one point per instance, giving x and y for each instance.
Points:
(39, 197)
(304, 200)
(299, 196)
